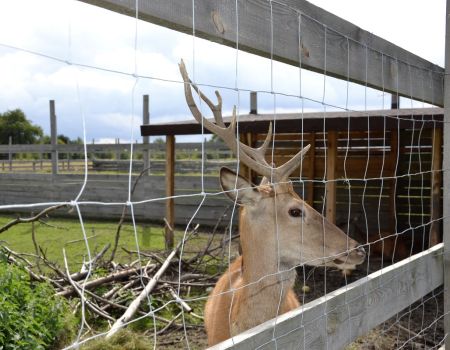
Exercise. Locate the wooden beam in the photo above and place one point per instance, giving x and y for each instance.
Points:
(446, 175)
(313, 122)
(145, 139)
(253, 102)
(331, 176)
(53, 137)
(245, 171)
(436, 184)
(170, 191)
(272, 29)
(311, 173)
(10, 153)
(395, 102)
(391, 166)
(335, 320)
(105, 148)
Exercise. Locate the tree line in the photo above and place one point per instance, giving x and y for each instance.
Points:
(15, 126)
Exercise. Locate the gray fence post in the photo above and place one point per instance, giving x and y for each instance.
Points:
(10, 153)
(146, 139)
(395, 101)
(53, 138)
(253, 102)
(446, 174)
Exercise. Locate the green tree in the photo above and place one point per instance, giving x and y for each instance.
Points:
(16, 125)
(63, 139)
(159, 141)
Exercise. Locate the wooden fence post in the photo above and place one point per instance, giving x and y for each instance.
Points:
(146, 139)
(446, 175)
(311, 172)
(53, 138)
(248, 139)
(395, 101)
(10, 153)
(436, 183)
(170, 191)
(253, 102)
(392, 164)
(331, 176)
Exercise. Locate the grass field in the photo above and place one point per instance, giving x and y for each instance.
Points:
(52, 235)
(55, 234)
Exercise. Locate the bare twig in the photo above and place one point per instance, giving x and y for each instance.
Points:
(106, 279)
(77, 287)
(36, 247)
(128, 315)
(122, 217)
(20, 220)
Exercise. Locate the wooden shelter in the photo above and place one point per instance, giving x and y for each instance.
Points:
(379, 170)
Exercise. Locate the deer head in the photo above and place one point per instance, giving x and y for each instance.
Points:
(275, 223)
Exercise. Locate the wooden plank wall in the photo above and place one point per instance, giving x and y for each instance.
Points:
(389, 179)
(19, 189)
(372, 200)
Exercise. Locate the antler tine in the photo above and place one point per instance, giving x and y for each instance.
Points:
(282, 172)
(253, 158)
(216, 109)
(259, 154)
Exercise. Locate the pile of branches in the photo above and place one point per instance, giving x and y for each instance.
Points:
(107, 290)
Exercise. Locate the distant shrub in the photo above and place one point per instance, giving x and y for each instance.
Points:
(31, 316)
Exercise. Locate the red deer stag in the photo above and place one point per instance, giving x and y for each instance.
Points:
(278, 231)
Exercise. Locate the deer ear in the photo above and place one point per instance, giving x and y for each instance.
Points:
(237, 188)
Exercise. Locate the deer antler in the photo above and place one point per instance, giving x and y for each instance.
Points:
(254, 158)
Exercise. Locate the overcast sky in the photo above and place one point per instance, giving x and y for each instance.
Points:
(71, 31)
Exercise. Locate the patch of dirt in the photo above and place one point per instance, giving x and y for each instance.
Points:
(177, 340)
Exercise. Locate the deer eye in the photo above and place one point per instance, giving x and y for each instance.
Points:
(295, 212)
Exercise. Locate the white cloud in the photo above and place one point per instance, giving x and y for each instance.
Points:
(415, 25)
(75, 32)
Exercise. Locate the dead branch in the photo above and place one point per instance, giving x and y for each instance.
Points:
(20, 220)
(77, 288)
(106, 279)
(122, 217)
(136, 302)
(127, 316)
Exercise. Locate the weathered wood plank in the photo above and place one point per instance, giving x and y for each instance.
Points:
(106, 148)
(146, 139)
(310, 173)
(313, 122)
(170, 192)
(54, 137)
(446, 179)
(276, 29)
(330, 193)
(18, 190)
(335, 320)
(436, 183)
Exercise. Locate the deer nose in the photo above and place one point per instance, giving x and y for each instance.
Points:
(360, 251)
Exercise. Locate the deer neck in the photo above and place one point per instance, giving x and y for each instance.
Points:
(267, 287)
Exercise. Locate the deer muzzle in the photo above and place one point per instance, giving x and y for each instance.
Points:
(352, 257)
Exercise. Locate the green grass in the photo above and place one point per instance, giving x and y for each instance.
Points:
(56, 234)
